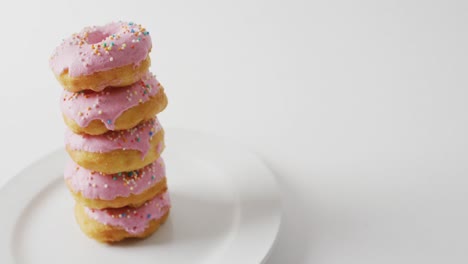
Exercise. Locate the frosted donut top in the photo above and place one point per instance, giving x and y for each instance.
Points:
(137, 138)
(86, 106)
(132, 220)
(101, 48)
(97, 185)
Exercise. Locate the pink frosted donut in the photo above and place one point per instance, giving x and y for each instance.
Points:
(122, 108)
(115, 54)
(115, 224)
(133, 220)
(99, 190)
(116, 151)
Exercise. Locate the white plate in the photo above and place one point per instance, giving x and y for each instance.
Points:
(226, 209)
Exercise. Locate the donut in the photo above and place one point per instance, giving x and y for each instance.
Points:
(115, 224)
(117, 151)
(98, 190)
(113, 55)
(122, 108)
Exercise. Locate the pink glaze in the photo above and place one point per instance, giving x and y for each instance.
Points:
(84, 107)
(101, 48)
(133, 220)
(137, 138)
(96, 185)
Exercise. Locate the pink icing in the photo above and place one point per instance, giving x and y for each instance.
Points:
(132, 220)
(137, 138)
(96, 185)
(84, 107)
(101, 48)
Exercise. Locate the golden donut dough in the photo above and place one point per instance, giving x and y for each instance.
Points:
(107, 233)
(116, 77)
(134, 200)
(118, 160)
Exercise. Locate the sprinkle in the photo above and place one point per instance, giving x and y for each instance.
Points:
(130, 23)
(114, 178)
(151, 133)
(104, 45)
(148, 216)
(111, 58)
(109, 121)
(100, 112)
(105, 186)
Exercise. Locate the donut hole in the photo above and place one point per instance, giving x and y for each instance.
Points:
(97, 36)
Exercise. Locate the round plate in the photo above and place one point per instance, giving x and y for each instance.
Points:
(225, 209)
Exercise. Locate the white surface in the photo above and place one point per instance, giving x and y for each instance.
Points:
(226, 209)
(358, 106)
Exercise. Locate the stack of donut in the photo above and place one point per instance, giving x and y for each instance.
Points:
(114, 139)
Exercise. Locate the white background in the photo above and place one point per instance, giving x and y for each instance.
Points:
(359, 107)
